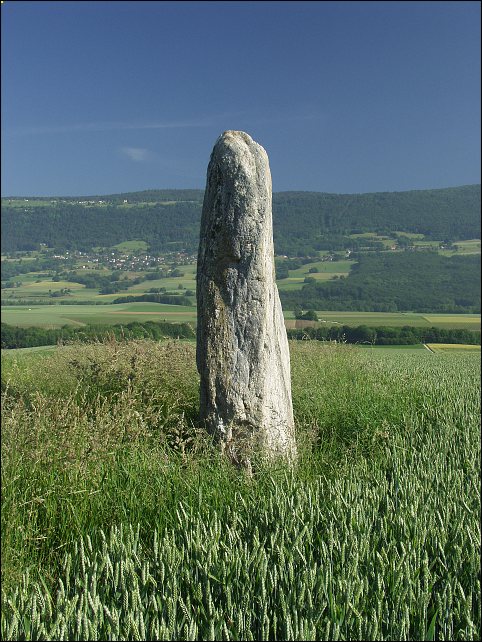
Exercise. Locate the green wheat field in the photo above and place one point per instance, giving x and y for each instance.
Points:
(121, 521)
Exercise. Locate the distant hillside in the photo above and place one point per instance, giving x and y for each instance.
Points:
(397, 281)
(310, 217)
(303, 221)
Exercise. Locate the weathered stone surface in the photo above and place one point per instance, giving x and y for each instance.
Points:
(242, 347)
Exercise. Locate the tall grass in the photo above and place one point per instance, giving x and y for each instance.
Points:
(121, 521)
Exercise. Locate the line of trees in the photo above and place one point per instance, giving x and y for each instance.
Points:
(382, 335)
(16, 337)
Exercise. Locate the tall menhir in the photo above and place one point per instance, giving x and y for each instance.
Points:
(242, 348)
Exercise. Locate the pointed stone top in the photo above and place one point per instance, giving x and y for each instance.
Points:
(232, 133)
(240, 144)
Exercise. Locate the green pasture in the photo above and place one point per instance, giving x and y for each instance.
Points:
(188, 281)
(428, 243)
(33, 288)
(24, 259)
(471, 246)
(411, 235)
(469, 243)
(327, 270)
(30, 278)
(21, 202)
(147, 204)
(189, 269)
(386, 240)
(324, 267)
(131, 246)
(292, 283)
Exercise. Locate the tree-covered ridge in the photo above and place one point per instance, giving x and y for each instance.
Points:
(303, 221)
(418, 211)
(392, 281)
(74, 226)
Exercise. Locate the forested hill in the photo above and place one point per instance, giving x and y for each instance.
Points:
(442, 214)
(170, 219)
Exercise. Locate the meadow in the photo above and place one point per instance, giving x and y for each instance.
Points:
(471, 246)
(120, 519)
(327, 270)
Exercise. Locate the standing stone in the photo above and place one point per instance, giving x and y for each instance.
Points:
(242, 348)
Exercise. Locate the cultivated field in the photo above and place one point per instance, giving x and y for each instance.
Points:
(452, 347)
(468, 321)
(54, 316)
(121, 521)
(393, 319)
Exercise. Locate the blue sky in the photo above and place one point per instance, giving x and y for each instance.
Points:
(346, 97)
